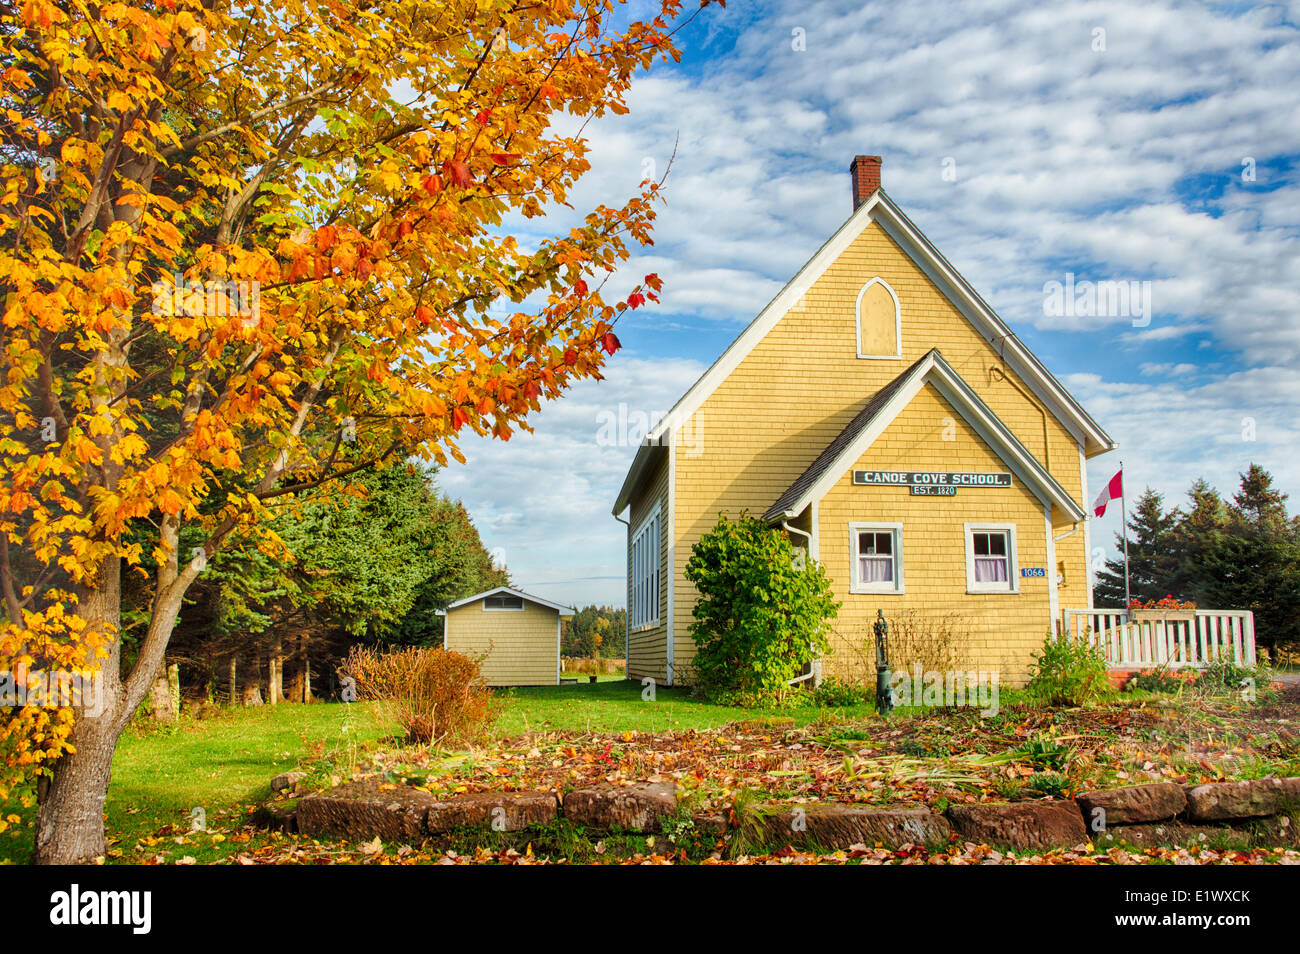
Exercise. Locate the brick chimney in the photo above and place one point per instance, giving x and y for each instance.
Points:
(866, 178)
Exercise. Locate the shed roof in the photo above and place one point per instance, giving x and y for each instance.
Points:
(559, 607)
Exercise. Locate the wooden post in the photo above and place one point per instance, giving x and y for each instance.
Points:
(234, 683)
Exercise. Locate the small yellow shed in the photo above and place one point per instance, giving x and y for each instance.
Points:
(518, 635)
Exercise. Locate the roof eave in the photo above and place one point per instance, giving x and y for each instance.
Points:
(641, 463)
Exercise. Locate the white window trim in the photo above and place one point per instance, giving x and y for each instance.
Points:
(897, 585)
(503, 609)
(1013, 560)
(898, 322)
(652, 518)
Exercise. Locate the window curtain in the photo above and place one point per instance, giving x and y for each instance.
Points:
(990, 569)
(876, 569)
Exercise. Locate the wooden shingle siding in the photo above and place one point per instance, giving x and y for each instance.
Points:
(798, 388)
(1000, 629)
(647, 645)
(520, 646)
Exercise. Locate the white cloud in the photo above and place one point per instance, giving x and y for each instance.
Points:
(1123, 165)
(545, 498)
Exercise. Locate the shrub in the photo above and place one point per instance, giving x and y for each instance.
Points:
(436, 695)
(762, 613)
(1068, 673)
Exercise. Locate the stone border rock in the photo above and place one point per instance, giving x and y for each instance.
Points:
(370, 809)
(1258, 810)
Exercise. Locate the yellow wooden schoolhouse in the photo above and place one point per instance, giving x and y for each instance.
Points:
(896, 427)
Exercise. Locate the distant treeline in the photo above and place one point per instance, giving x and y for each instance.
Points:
(595, 631)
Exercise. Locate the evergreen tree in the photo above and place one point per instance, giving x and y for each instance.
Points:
(1198, 534)
(1151, 550)
(1254, 563)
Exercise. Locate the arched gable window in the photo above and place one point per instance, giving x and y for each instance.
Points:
(880, 323)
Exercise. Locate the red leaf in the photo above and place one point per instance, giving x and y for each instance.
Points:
(610, 342)
(580, 288)
(460, 174)
(432, 184)
(504, 158)
(635, 300)
(424, 315)
(459, 418)
(570, 357)
(483, 116)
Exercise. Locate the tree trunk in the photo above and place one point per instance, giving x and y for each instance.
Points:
(234, 684)
(275, 686)
(70, 819)
(306, 674)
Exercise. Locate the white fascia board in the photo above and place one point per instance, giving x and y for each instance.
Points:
(558, 607)
(884, 417)
(640, 463)
(977, 311)
(1012, 452)
(933, 371)
(776, 309)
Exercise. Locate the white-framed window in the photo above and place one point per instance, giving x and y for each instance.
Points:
(991, 564)
(880, 321)
(876, 550)
(643, 573)
(503, 603)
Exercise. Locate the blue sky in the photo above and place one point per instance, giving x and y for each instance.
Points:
(1153, 142)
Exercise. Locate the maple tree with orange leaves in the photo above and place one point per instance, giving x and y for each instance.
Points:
(249, 249)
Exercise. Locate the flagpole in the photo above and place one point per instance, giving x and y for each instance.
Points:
(1123, 516)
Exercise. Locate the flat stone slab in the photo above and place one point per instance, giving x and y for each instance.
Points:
(1022, 825)
(1133, 805)
(364, 810)
(1277, 831)
(286, 780)
(499, 811)
(1221, 801)
(635, 807)
(835, 825)
(1167, 834)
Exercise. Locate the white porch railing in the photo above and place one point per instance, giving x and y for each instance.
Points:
(1178, 641)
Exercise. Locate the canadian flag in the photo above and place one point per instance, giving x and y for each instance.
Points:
(1113, 489)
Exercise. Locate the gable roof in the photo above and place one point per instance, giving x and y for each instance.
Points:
(563, 610)
(859, 434)
(880, 208)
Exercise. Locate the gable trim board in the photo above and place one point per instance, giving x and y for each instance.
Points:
(861, 432)
(881, 209)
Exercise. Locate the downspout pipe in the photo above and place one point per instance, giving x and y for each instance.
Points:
(1078, 524)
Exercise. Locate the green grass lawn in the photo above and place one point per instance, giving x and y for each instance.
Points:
(615, 705)
(224, 763)
(219, 764)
